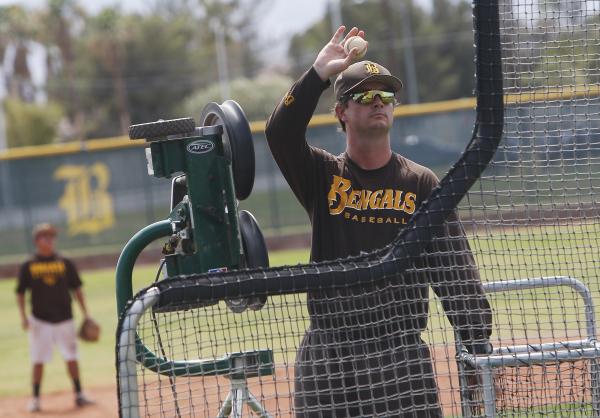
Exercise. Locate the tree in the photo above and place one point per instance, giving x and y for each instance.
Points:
(106, 36)
(114, 68)
(16, 32)
(557, 49)
(442, 38)
(445, 63)
(556, 14)
(56, 28)
(29, 123)
(240, 19)
(26, 123)
(161, 74)
(258, 97)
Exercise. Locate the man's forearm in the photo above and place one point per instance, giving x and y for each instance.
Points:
(22, 312)
(81, 300)
(21, 304)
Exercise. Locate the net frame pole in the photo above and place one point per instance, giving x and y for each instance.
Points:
(531, 354)
(549, 281)
(127, 353)
(131, 352)
(489, 393)
(595, 381)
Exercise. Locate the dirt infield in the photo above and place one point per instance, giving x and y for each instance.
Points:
(275, 395)
(61, 404)
(203, 396)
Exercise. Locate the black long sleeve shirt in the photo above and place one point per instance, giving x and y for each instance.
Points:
(353, 210)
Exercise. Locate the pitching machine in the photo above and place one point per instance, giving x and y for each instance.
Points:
(211, 167)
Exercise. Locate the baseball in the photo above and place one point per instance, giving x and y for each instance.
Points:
(356, 42)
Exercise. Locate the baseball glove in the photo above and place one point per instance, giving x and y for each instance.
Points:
(89, 330)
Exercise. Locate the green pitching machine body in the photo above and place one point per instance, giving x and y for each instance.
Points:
(211, 166)
(203, 206)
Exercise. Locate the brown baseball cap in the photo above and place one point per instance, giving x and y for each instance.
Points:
(43, 229)
(361, 72)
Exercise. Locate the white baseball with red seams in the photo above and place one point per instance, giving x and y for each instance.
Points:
(356, 42)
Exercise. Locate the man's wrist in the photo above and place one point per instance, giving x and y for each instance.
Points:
(314, 74)
(322, 73)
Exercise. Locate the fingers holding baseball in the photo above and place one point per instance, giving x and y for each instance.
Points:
(338, 35)
(351, 34)
(334, 58)
(356, 47)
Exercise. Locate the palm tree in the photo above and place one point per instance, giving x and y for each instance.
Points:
(15, 35)
(55, 31)
(106, 38)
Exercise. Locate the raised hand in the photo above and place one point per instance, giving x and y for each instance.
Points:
(332, 59)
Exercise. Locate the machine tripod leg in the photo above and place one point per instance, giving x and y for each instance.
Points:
(234, 403)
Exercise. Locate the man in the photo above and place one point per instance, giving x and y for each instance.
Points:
(362, 354)
(50, 278)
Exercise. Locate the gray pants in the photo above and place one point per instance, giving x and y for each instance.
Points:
(391, 377)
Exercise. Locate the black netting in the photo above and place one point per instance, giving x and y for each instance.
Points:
(404, 331)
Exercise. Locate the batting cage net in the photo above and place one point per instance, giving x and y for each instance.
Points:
(492, 315)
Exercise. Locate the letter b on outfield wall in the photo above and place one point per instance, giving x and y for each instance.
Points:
(86, 200)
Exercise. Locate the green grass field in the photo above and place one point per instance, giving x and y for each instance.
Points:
(536, 251)
(571, 249)
(98, 359)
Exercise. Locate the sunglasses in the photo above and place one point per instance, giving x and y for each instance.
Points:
(368, 97)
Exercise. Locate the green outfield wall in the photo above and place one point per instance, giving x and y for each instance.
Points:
(99, 193)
